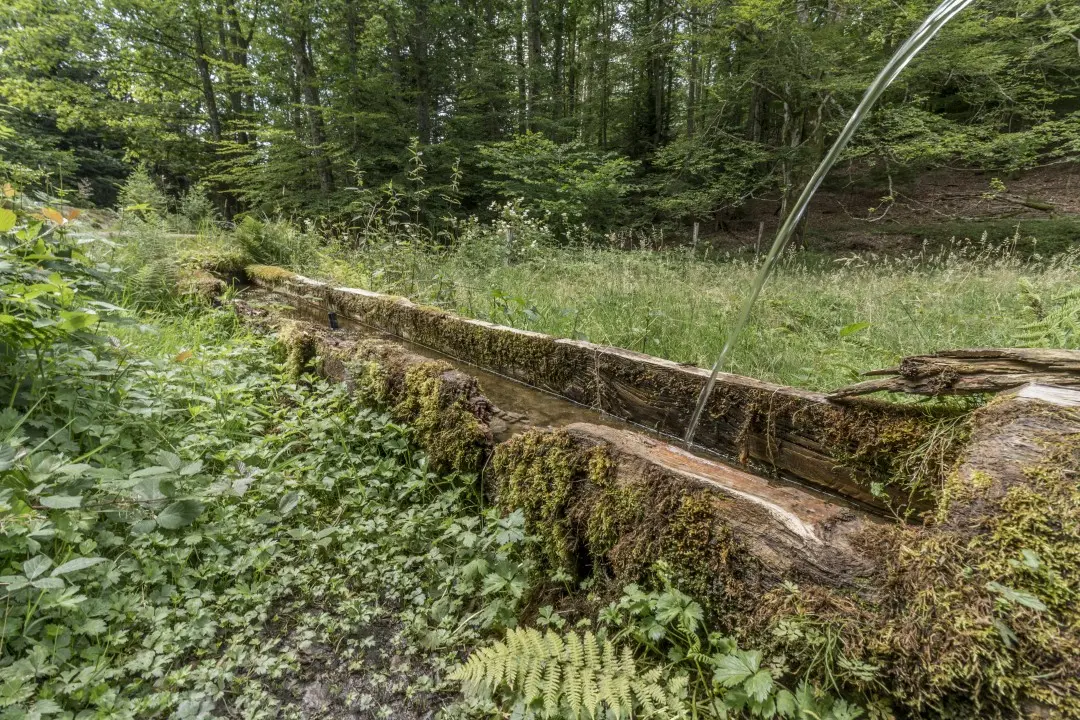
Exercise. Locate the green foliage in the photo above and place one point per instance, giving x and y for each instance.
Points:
(196, 210)
(660, 661)
(566, 185)
(141, 197)
(571, 676)
(1054, 321)
(180, 523)
(47, 286)
(275, 242)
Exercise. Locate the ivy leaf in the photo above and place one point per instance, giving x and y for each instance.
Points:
(759, 685)
(733, 669)
(179, 514)
(61, 502)
(77, 564)
(35, 566)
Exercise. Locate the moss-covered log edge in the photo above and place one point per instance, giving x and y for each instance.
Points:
(885, 455)
(977, 612)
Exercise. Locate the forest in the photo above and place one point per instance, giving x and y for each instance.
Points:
(354, 360)
(613, 115)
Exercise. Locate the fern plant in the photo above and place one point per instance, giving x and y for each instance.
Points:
(573, 676)
(1055, 321)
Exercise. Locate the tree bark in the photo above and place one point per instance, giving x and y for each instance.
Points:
(306, 76)
(202, 66)
(418, 47)
(536, 61)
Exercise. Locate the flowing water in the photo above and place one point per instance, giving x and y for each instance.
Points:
(944, 12)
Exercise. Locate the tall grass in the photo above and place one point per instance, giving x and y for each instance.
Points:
(819, 323)
(821, 320)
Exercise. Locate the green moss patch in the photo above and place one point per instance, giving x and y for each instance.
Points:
(444, 407)
(621, 527)
(270, 275)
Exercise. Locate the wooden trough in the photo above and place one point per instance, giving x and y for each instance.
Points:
(851, 448)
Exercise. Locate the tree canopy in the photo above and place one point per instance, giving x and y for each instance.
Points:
(642, 111)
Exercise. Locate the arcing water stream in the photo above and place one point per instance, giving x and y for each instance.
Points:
(944, 12)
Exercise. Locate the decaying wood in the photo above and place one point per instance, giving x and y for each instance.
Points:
(787, 532)
(966, 372)
(774, 430)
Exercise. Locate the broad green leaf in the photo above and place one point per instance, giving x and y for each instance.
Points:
(288, 502)
(759, 685)
(62, 502)
(179, 514)
(7, 219)
(150, 489)
(77, 564)
(74, 320)
(144, 526)
(35, 566)
(48, 583)
(169, 460)
(733, 669)
(191, 468)
(150, 472)
(853, 328)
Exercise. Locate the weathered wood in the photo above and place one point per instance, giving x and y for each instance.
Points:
(784, 531)
(965, 372)
(780, 431)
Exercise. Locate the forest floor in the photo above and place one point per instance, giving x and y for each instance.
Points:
(867, 212)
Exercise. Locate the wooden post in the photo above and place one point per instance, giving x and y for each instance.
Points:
(695, 237)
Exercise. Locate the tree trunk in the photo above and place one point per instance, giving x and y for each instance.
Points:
(418, 48)
(205, 79)
(519, 57)
(305, 74)
(558, 61)
(536, 61)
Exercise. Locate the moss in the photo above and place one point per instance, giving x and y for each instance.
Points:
(538, 359)
(299, 345)
(535, 472)
(222, 261)
(201, 284)
(622, 529)
(442, 422)
(269, 274)
(979, 615)
(993, 606)
(443, 407)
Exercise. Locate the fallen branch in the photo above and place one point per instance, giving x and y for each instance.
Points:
(966, 372)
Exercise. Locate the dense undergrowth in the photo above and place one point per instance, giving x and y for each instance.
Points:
(821, 320)
(187, 531)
